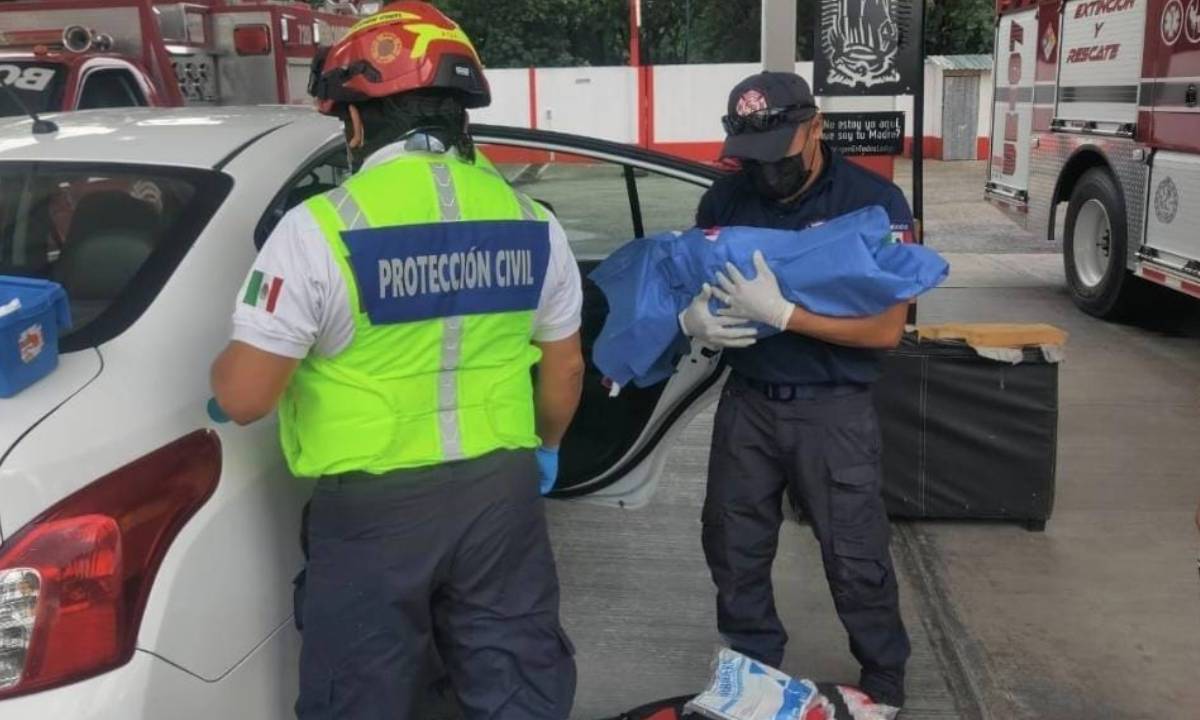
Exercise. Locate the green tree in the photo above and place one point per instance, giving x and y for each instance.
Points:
(550, 33)
(954, 27)
(700, 31)
(544, 33)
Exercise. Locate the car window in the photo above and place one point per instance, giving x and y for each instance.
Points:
(589, 197)
(110, 234)
(110, 89)
(38, 86)
(667, 203)
(329, 170)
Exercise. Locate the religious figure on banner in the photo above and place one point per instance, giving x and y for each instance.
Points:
(861, 40)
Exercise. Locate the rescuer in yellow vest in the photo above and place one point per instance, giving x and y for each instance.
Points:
(394, 322)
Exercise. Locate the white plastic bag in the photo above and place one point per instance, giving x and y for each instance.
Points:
(745, 689)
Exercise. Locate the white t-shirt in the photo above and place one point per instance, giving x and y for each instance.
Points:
(302, 305)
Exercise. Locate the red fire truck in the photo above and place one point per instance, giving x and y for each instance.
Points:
(78, 54)
(1096, 108)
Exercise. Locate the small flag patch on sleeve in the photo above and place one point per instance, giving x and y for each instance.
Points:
(263, 291)
(902, 234)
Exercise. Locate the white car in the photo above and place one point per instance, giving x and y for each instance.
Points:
(149, 549)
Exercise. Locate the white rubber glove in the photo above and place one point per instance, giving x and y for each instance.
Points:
(759, 299)
(698, 322)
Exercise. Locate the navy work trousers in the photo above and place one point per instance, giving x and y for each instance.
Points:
(454, 558)
(823, 447)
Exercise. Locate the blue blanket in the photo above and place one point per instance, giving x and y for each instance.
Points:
(847, 267)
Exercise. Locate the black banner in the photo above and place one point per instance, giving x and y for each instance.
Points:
(865, 133)
(866, 47)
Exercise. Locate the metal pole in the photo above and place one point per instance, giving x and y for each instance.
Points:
(918, 144)
(918, 151)
(779, 35)
(635, 33)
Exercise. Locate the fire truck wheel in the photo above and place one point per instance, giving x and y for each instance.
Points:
(1094, 247)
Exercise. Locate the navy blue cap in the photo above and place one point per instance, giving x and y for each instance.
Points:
(768, 91)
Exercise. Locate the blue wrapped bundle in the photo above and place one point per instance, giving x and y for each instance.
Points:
(847, 267)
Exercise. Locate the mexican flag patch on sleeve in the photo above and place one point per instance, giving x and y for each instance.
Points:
(263, 291)
(902, 234)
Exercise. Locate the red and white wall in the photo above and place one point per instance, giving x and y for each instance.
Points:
(678, 108)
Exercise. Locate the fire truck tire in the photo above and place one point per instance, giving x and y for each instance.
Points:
(1094, 248)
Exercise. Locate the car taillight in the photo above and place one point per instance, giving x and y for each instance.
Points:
(74, 581)
(252, 40)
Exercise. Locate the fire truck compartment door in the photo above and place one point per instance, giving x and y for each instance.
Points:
(1101, 61)
(1012, 111)
(1174, 208)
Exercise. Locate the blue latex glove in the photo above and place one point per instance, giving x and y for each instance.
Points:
(547, 459)
(215, 413)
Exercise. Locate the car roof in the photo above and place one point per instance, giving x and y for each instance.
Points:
(67, 60)
(203, 137)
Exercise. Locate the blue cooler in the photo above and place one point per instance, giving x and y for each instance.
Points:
(29, 336)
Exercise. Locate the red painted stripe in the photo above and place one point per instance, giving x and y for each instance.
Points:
(1047, 68)
(707, 152)
(645, 108)
(72, 87)
(281, 82)
(635, 40)
(70, 5)
(1175, 131)
(932, 147)
(1144, 130)
(883, 165)
(648, 99)
(533, 109)
(509, 155)
(1042, 117)
(29, 38)
(1154, 275)
(983, 146)
(276, 287)
(710, 152)
(1190, 288)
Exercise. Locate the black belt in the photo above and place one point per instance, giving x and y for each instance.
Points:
(786, 392)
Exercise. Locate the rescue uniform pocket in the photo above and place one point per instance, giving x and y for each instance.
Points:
(857, 514)
(721, 449)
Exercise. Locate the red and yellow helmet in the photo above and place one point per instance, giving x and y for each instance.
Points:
(405, 46)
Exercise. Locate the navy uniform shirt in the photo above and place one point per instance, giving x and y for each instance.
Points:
(843, 187)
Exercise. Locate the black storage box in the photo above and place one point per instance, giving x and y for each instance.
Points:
(968, 437)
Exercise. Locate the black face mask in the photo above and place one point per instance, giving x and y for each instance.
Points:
(780, 179)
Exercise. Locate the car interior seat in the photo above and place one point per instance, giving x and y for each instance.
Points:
(110, 237)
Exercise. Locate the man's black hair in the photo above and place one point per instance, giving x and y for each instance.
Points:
(437, 112)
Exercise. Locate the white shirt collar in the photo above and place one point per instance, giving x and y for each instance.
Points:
(418, 142)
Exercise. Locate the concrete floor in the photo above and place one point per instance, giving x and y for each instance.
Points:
(1099, 616)
(956, 217)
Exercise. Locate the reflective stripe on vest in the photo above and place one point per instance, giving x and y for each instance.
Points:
(451, 331)
(476, 393)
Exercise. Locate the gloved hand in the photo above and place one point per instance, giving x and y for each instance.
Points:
(698, 322)
(759, 299)
(547, 459)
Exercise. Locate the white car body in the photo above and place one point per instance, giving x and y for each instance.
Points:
(217, 638)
